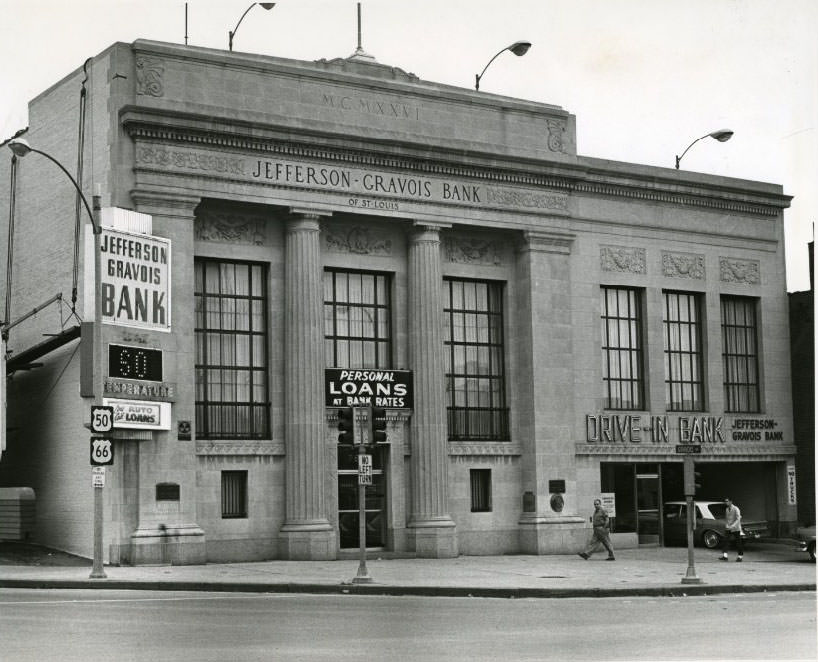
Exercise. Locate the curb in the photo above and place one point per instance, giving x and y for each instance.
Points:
(395, 590)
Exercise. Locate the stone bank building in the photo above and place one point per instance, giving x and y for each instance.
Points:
(544, 327)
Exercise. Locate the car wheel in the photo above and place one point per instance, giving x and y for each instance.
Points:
(711, 539)
(811, 551)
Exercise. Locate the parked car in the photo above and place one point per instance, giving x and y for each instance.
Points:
(710, 524)
(805, 537)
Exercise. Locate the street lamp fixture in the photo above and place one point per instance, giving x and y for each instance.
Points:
(231, 34)
(21, 148)
(519, 48)
(722, 135)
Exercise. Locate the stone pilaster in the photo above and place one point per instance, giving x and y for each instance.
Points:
(165, 532)
(307, 533)
(430, 525)
(544, 392)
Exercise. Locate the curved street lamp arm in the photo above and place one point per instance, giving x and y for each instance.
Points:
(233, 31)
(97, 228)
(480, 75)
(679, 158)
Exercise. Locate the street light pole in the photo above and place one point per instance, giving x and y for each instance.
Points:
(690, 576)
(21, 148)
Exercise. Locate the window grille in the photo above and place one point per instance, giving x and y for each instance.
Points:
(622, 353)
(740, 354)
(480, 480)
(684, 385)
(473, 352)
(357, 328)
(234, 494)
(232, 398)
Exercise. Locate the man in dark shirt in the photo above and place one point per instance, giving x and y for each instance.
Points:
(601, 523)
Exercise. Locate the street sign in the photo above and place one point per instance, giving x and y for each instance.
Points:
(102, 451)
(98, 476)
(364, 470)
(688, 449)
(102, 418)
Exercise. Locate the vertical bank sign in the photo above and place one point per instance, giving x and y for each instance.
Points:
(135, 280)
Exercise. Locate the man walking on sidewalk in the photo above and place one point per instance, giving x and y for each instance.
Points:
(732, 515)
(601, 523)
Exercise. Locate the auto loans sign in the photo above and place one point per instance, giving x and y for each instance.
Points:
(135, 280)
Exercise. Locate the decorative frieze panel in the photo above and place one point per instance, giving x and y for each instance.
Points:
(467, 250)
(683, 265)
(622, 259)
(149, 76)
(483, 448)
(740, 271)
(506, 197)
(239, 448)
(358, 239)
(229, 227)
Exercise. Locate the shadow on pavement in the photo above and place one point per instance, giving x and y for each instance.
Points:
(24, 553)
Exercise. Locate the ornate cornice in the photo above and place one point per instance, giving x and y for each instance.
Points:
(506, 172)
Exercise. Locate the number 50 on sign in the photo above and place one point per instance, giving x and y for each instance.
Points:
(102, 451)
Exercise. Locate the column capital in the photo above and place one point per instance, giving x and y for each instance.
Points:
(310, 213)
(165, 203)
(546, 241)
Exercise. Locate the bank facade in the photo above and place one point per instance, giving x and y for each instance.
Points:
(542, 327)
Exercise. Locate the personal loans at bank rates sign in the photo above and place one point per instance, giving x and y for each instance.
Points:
(135, 280)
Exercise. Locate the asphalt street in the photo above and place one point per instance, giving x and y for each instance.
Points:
(90, 626)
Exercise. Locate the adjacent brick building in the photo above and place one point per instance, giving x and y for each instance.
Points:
(542, 327)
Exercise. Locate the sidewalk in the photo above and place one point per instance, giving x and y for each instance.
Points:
(651, 571)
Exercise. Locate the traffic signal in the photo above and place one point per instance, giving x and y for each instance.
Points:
(346, 424)
(377, 425)
(697, 482)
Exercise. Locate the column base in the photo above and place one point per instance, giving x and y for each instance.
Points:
(181, 544)
(310, 541)
(552, 535)
(434, 539)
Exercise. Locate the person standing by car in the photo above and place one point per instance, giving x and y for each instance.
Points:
(732, 530)
(601, 523)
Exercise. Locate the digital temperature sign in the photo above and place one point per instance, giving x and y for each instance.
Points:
(127, 362)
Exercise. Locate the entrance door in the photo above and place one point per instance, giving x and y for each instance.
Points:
(348, 508)
(648, 502)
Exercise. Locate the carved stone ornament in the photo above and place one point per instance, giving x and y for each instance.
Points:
(229, 227)
(466, 250)
(683, 265)
(526, 199)
(358, 239)
(556, 135)
(622, 259)
(740, 271)
(149, 73)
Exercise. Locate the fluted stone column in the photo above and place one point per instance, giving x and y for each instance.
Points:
(307, 533)
(430, 525)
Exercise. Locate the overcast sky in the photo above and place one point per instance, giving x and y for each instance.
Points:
(643, 77)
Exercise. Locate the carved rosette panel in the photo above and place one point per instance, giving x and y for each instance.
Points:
(556, 135)
(359, 240)
(683, 265)
(149, 76)
(622, 259)
(467, 250)
(740, 271)
(229, 227)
